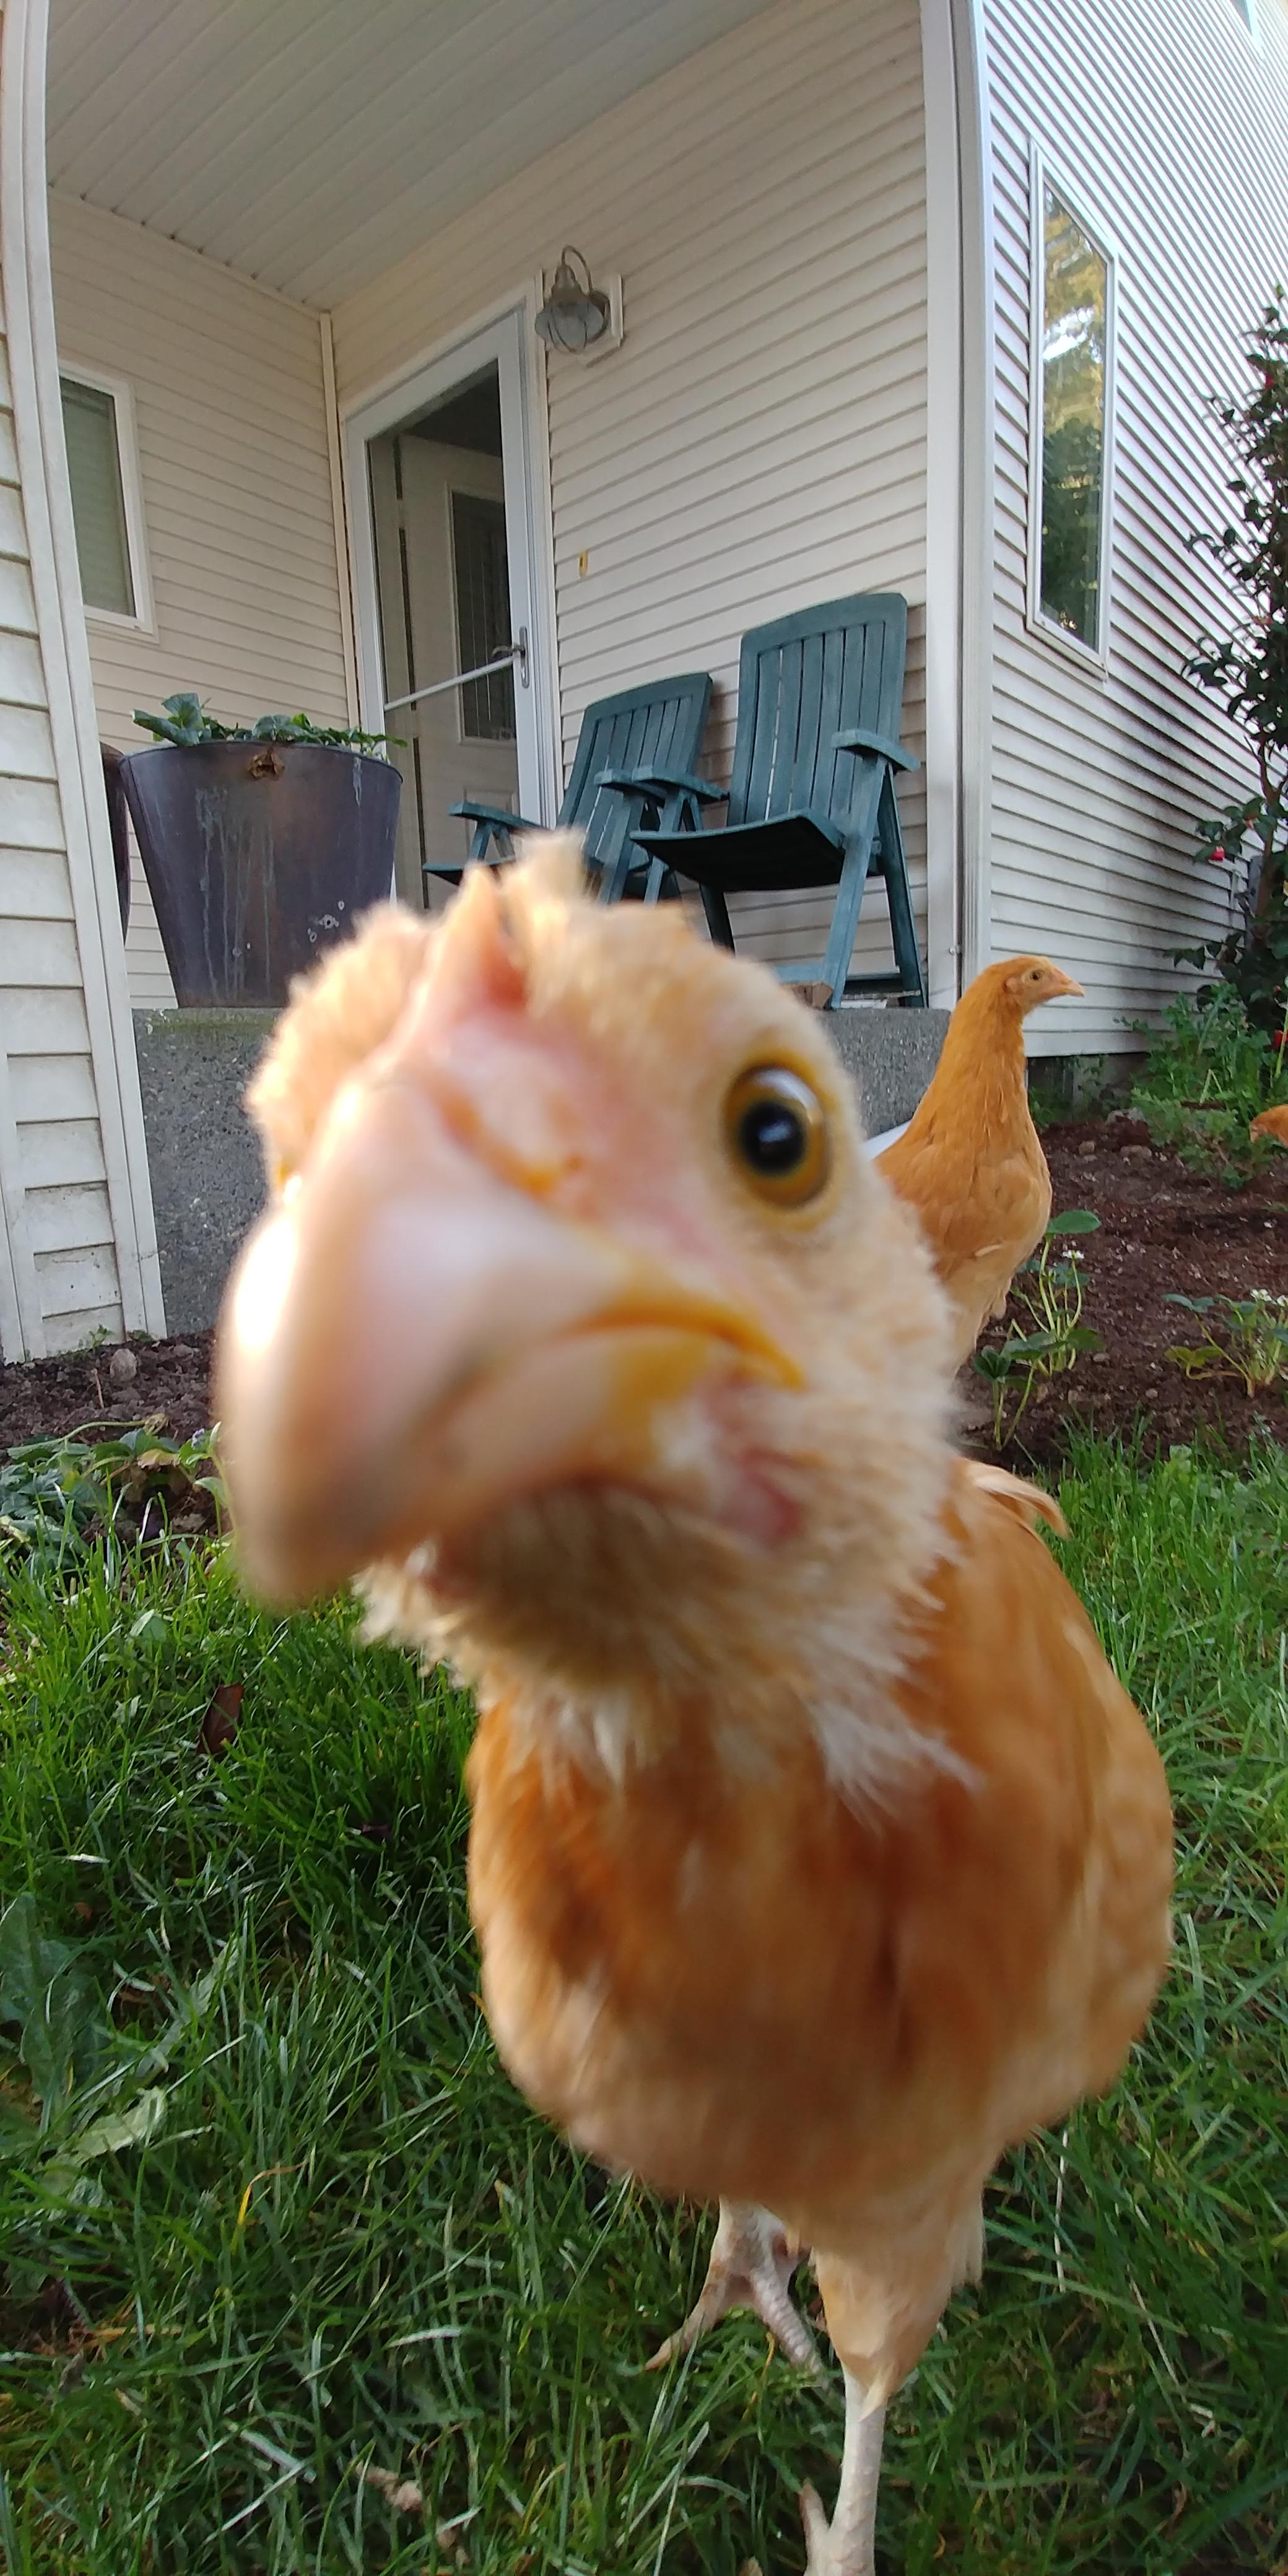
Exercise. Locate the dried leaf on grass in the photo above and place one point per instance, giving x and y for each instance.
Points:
(222, 1719)
(401, 2494)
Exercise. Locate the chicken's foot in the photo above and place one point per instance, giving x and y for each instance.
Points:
(750, 2267)
(846, 2546)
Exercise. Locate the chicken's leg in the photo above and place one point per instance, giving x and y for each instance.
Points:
(846, 2546)
(750, 2267)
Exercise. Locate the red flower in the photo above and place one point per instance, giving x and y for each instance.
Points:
(1216, 857)
(1279, 1039)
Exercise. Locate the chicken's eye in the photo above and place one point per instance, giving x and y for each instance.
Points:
(777, 1134)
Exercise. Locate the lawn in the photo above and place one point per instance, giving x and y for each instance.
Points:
(290, 2222)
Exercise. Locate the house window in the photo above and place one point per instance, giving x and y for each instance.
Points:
(1071, 423)
(481, 570)
(101, 464)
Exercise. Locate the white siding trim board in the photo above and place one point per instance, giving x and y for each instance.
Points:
(339, 517)
(54, 965)
(976, 489)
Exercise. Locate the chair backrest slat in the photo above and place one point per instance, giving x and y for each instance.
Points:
(662, 721)
(803, 679)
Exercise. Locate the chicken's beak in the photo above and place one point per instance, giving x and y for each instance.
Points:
(1061, 987)
(411, 1343)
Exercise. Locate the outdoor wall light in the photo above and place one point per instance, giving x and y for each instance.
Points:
(574, 314)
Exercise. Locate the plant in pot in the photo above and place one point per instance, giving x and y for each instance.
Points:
(260, 842)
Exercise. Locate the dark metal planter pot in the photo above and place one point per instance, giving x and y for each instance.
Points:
(258, 855)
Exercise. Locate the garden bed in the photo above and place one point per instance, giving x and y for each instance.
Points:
(46, 1399)
(1162, 1229)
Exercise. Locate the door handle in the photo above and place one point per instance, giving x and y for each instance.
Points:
(511, 657)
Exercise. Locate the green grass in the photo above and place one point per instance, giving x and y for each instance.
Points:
(338, 2237)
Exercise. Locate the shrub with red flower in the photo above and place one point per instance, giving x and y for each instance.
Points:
(1248, 671)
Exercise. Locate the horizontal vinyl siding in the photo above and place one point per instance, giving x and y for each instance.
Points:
(758, 442)
(1170, 130)
(56, 1215)
(236, 492)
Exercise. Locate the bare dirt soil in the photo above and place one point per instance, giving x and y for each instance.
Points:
(1162, 1228)
(47, 1399)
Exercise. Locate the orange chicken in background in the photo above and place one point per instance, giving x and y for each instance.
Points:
(971, 1161)
(816, 1853)
(1272, 1122)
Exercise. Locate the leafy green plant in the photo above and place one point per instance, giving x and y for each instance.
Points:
(1248, 670)
(1254, 1343)
(185, 723)
(77, 2087)
(1208, 1072)
(61, 1497)
(1051, 1292)
(1062, 1088)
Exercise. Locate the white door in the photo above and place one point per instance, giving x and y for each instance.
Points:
(443, 547)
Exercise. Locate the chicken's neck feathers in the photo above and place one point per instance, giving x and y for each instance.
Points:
(828, 1674)
(979, 1088)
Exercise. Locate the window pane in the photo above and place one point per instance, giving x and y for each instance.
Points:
(98, 502)
(1075, 299)
(482, 572)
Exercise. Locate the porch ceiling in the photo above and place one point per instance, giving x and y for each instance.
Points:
(312, 144)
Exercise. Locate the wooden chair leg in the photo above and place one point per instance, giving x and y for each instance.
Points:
(894, 868)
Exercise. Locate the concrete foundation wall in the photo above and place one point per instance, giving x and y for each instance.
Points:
(207, 1179)
(890, 1056)
(207, 1182)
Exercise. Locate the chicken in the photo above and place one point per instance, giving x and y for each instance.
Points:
(816, 1854)
(1272, 1122)
(971, 1162)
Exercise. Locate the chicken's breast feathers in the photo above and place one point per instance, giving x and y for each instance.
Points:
(728, 1980)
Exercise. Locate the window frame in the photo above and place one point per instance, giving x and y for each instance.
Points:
(121, 395)
(1093, 659)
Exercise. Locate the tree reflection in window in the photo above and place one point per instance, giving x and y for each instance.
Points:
(1075, 308)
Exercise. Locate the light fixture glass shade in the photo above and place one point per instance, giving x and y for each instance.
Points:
(575, 312)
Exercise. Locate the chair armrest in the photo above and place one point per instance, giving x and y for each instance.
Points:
(859, 739)
(494, 814)
(660, 783)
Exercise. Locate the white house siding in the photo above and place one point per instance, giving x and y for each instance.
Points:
(1169, 128)
(236, 490)
(758, 442)
(58, 1275)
